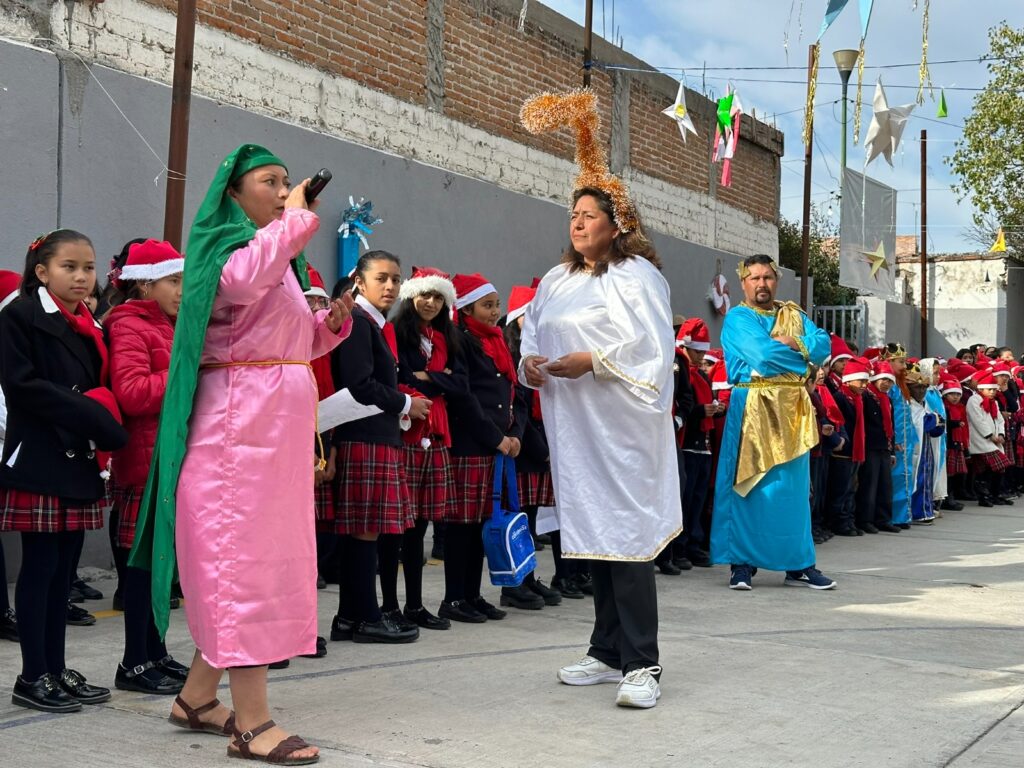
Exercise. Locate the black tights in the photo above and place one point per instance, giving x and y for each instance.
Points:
(409, 548)
(120, 554)
(5, 603)
(463, 561)
(142, 642)
(357, 600)
(41, 599)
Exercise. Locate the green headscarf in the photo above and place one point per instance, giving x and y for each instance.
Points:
(220, 228)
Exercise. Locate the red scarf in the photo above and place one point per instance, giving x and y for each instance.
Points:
(857, 448)
(885, 404)
(83, 324)
(702, 396)
(535, 411)
(832, 411)
(322, 373)
(493, 342)
(990, 405)
(438, 361)
(961, 434)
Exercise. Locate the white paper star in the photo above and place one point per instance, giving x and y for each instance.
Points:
(681, 114)
(887, 126)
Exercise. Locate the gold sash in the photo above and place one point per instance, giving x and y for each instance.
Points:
(779, 422)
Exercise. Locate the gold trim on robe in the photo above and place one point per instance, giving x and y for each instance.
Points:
(779, 423)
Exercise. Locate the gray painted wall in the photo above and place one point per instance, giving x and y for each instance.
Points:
(69, 159)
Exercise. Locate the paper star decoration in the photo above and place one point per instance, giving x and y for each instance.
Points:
(887, 126)
(877, 260)
(681, 114)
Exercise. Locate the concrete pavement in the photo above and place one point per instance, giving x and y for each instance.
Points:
(917, 659)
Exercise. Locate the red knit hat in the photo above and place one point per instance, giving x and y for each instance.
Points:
(470, 288)
(694, 335)
(950, 385)
(316, 283)
(883, 370)
(151, 260)
(428, 280)
(857, 369)
(10, 282)
(519, 299)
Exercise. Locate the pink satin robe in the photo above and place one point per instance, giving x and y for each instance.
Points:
(245, 526)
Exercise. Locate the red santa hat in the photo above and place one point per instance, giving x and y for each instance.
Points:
(950, 385)
(429, 280)
(981, 360)
(964, 372)
(985, 380)
(316, 283)
(713, 356)
(519, 299)
(999, 368)
(719, 377)
(150, 261)
(693, 334)
(470, 288)
(857, 369)
(10, 282)
(840, 350)
(872, 353)
(882, 370)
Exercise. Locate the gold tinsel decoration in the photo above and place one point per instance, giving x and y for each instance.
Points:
(924, 73)
(812, 87)
(578, 110)
(860, 90)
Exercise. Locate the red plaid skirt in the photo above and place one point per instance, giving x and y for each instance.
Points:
(28, 512)
(536, 489)
(474, 480)
(993, 461)
(370, 495)
(428, 474)
(956, 462)
(323, 502)
(126, 500)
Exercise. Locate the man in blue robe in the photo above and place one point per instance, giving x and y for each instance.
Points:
(762, 515)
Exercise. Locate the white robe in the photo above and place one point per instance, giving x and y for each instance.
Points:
(613, 452)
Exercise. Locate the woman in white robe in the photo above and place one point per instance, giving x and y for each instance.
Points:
(598, 343)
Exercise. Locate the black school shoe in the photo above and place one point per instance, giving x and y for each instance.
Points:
(491, 612)
(321, 649)
(87, 592)
(566, 588)
(461, 610)
(548, 595)
(384, 631)
(74, 685)
(9, 625)
(45, 694)
(342, 628)
(584, 582)
(521, 597)
(283, 664)
(421, 617)
(888, 527)
(79, 617)
(146, 678)
(172, 668)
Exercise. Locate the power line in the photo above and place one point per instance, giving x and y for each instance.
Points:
(976, 60)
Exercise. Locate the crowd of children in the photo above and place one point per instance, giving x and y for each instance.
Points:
(901, 441)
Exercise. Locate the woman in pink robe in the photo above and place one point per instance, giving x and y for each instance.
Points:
(245, 526)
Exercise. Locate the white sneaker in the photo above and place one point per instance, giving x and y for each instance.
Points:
(639, 688)
(589, 671)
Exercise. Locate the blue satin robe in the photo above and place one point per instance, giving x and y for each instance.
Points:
(770, 528)
(904, 472)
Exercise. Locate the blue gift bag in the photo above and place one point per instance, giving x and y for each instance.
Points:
(508, 542)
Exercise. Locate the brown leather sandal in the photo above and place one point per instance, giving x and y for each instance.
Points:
(191, 721)
(279, 755)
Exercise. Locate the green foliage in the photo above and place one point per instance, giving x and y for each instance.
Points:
(989, 159)
(823, 259)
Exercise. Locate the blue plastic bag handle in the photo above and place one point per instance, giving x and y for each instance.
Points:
(504, 472)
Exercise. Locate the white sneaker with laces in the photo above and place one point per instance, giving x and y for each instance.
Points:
(639, 688)
(589, 671)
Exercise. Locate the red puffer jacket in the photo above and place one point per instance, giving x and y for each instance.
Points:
(140, 355)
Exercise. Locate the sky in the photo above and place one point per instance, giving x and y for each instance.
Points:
(693, 34)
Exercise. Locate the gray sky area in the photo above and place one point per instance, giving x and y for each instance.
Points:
(694, 34)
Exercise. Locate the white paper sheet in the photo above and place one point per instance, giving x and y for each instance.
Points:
(341, 408)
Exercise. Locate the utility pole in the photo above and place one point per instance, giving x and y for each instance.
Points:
(588, 42)
(181, 102)
(924, 243)
(805, 242)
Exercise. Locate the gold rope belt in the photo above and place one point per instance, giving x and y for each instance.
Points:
(321, 463)
(765, 383)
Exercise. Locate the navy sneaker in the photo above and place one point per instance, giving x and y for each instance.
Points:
(809, 577)
(742, 578)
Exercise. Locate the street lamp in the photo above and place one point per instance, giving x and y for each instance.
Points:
(846, 60)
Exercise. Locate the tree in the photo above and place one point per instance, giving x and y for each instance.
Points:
(989, 159)
(823, 260)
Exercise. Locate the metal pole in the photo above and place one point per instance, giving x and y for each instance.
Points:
(181, 100)
(588, 40)
(924, 243)
(805, 242)
(842, 144)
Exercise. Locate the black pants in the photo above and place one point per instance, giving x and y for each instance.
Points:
(819, 490)
(625, 615)
(696, 471)
(463, 561)
(840, 493)
(41, 599)
(142, 642)
(874, 491)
